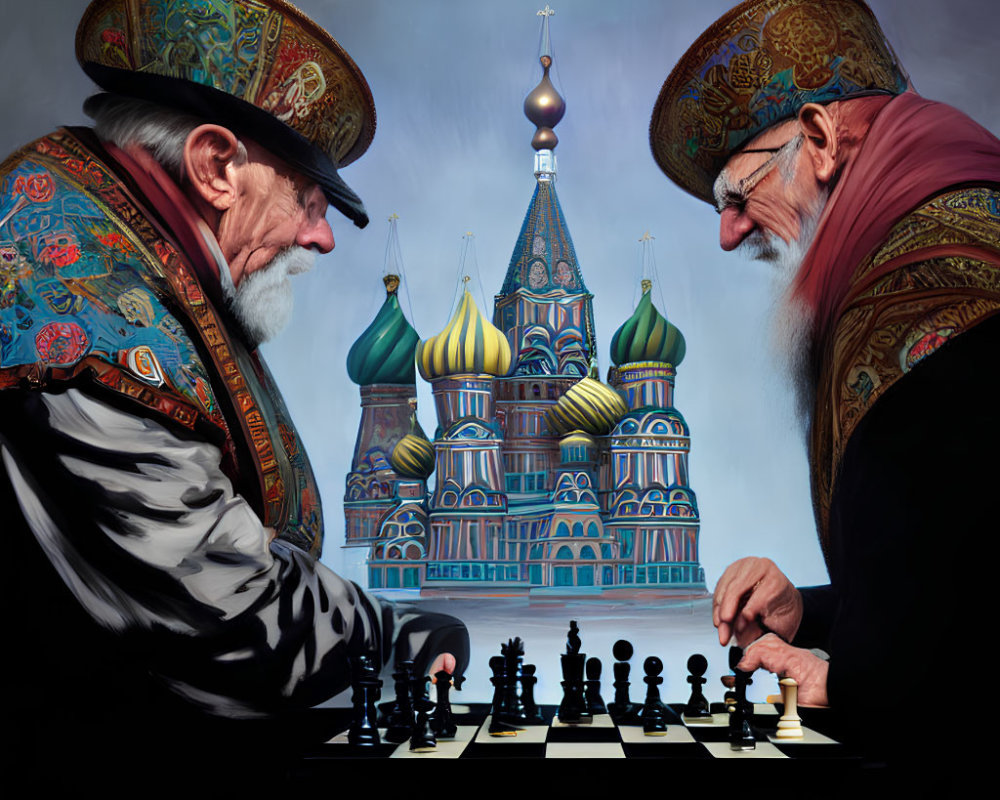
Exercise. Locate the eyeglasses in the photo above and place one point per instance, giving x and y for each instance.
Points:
(728, 195)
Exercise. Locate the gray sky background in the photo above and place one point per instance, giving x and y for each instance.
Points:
(452, 154)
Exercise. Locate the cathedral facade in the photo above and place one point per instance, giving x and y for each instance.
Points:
(545, 480)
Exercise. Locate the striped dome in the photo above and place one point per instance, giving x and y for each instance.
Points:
(413, 456)
(647, 336)
(384, 352)
(587, 406)
(469, 345)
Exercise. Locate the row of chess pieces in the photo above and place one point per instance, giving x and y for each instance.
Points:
(514, 706)
(413, 716)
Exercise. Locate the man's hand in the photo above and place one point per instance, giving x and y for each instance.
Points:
(785, 661)
(753, 597)
(446, 662)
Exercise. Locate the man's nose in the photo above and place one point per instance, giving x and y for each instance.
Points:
(316, 233)
(734, 226)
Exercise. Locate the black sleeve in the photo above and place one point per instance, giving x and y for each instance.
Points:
(913, 529)
(819, 610)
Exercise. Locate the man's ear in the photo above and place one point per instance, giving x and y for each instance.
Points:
(820, 139)
(210, 152)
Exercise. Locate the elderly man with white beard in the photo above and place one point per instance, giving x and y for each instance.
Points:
(796, 121)
(162, 522)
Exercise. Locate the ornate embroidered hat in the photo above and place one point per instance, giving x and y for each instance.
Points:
(259, 66)
(756, 66)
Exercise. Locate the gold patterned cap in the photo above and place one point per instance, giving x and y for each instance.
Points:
(260, 67)
(758, 65)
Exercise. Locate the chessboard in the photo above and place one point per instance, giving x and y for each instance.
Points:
(691, 741)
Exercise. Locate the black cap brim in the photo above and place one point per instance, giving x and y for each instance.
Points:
(216, 106)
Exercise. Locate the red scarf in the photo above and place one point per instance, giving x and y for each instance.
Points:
(914, 150)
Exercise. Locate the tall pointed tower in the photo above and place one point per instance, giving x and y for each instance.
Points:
(545, 310)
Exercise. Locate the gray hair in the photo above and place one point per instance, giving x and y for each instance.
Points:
(126, 121)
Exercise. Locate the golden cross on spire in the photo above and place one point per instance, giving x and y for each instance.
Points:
(470, 234)
(393, 216)
(546, 12)
(646, 237)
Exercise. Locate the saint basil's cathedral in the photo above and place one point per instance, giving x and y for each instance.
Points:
(545, 480)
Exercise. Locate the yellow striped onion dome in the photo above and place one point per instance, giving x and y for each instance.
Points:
(384, 352)
(647, 336)
(588, 406)
(469, 345)
(413, 455)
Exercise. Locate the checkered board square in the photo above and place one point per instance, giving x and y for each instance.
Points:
(599, 739)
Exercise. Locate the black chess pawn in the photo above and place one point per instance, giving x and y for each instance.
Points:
(443, 721)
(592, 690)
(528, 681)
(622, 709)
(422, 733)
(654, 718)
(367, 689)
(399, 721)
(573, 708)
(697, 705)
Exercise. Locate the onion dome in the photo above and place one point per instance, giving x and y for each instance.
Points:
(469, 345)
(647, 336)
(384, 352)
(587, 406)
(544, 107)
(413, 455)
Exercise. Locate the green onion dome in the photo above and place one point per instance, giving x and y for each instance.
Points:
(384, 352)
(587, 406)
(647, 336)
(469, 345)
(413, 455)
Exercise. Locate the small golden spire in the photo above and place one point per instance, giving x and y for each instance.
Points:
(391, 282)
(646, 285)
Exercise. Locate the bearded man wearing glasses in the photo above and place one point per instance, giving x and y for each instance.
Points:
(795, 119)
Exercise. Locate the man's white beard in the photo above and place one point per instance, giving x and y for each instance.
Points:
(793, 321)
(263, 300)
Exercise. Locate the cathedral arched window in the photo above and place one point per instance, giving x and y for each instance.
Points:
(564, 554)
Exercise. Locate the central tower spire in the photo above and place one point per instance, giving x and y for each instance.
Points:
(544, 307)
(544, 107)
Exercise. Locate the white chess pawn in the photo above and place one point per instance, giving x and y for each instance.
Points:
(790, 724)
